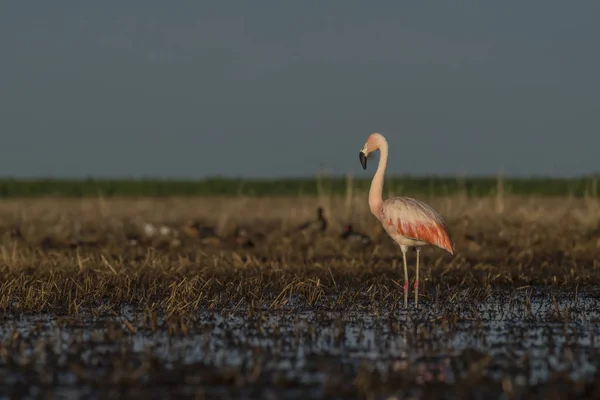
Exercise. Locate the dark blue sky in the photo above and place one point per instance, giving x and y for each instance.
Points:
(275, 88)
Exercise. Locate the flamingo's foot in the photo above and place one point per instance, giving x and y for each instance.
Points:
(406, 294)
(416, 294)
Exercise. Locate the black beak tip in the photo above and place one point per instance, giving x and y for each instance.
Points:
(363, 160)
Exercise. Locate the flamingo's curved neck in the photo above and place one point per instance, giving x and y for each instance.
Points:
(376, 190)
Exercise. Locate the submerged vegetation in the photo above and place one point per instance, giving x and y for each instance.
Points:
(225, 296)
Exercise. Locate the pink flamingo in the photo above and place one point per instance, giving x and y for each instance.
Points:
(409, 222)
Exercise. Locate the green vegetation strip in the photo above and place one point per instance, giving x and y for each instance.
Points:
(406, 185)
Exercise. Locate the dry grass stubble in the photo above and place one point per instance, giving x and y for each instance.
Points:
(71, 256)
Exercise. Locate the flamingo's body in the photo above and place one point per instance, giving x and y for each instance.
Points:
(413, 223)
(409, 222)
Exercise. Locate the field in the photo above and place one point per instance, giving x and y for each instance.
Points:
(118, 296)
(321, 185)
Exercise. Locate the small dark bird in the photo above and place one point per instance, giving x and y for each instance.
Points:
(50, 243)
(198, 230)
(242, 238)
(351, 236)
(467, 240)
(13, 233)
(320, 224)
(134, 238)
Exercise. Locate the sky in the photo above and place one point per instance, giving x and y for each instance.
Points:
(268, 88)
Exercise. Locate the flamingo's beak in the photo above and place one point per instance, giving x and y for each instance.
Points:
(363, 160)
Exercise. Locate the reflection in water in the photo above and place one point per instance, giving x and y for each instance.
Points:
(523, 336)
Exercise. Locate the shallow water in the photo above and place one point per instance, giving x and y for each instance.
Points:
(509, 342)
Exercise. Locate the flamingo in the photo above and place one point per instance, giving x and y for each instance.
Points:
(409, 222)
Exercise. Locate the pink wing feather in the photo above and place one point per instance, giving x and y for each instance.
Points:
(415, 220)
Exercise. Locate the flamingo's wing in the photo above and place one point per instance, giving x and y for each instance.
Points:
(415, 220)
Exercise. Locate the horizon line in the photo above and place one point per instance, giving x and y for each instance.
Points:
(298, 177)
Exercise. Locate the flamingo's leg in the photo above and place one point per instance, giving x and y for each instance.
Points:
(417, 280)
(405, 277)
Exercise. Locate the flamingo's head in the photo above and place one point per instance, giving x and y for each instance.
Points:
(370, 146)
